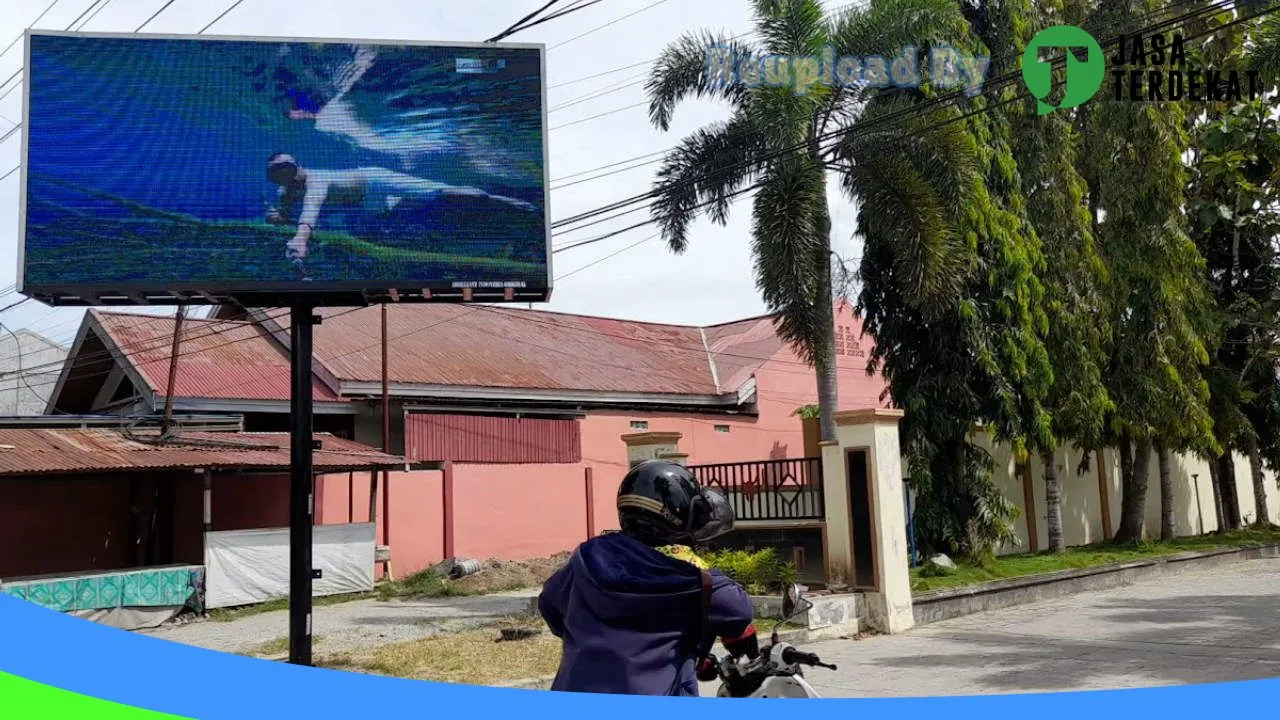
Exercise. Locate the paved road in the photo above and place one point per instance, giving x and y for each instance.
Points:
(348, 626)
(1211, 626)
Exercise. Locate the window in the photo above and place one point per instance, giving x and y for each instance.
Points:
(722, 428)
(639, 424)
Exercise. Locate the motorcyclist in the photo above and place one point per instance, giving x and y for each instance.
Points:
(637, 611)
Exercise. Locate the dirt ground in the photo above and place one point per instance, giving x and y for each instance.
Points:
(503, 575)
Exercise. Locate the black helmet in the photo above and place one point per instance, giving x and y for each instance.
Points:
(659, 503)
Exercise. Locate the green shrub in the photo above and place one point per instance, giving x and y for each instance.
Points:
(760, 572)
(424, 583)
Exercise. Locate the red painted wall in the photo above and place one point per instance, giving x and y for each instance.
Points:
(64, 525)
(188, 520)
(247, 502)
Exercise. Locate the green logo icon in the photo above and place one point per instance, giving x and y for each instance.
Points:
(1083, 77)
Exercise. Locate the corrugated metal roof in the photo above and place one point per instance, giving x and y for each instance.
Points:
(457, 345)
(218, 359)
(445, 344)
(740, 348)
(64, 450)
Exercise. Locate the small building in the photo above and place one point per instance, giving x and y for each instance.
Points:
(517, 424)
(123, 527)
(29, 367)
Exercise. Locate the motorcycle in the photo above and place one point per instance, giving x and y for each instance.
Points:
(777, 671)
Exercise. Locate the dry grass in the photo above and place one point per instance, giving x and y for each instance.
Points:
(279, 646)
(474, 657)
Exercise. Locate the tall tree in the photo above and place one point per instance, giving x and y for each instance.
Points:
(776, 141)
(1047, 149)
(1156, 295)
(979, 358)
(1232, 204)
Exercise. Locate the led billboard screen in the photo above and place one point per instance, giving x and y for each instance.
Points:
(160, 169)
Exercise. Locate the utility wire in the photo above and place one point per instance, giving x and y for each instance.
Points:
(734, 195)
(608, 24)
(580, 5)
(1241, 20)
(519, 24)
(155, 15)
(226, 12)
(94, 15)
(918, 110)
(640, 80)
(18, 39)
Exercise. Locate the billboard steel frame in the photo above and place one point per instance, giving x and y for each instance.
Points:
(302, 299)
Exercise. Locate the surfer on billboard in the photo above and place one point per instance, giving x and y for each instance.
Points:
(376, 189)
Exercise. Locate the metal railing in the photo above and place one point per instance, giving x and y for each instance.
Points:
(768, 489)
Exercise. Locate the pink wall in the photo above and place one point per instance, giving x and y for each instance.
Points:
(417, 513)
(518, 512)
(784, 383)
(535, 510)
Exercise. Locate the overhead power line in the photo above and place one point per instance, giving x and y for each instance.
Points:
(224, 13)
(615, 21)
(579, 5)
(1210, 9)
(918, 110)
(155, 15)
(18, 39)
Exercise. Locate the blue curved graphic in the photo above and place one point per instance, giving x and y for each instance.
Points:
(129, 669)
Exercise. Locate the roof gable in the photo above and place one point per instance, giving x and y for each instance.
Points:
(218, 359)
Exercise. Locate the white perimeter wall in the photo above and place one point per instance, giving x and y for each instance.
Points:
(243, 567)
(1081, 499)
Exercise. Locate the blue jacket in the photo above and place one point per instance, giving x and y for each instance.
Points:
(629, 615)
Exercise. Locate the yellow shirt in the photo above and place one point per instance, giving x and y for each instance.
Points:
(685, 553)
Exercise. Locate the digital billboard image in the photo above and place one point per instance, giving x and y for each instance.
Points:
(256, 166)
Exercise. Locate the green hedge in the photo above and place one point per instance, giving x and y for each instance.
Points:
(761, 572)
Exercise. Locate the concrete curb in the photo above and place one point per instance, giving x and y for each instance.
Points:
(951, 603)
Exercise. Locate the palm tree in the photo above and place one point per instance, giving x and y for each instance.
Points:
(781, 142)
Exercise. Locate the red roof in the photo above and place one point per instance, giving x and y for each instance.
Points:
(218, 359)
(452, 345)
(479, 346)
(738, 348)
(67, 450)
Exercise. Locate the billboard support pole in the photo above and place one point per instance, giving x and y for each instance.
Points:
(301, 484)
(386, 448)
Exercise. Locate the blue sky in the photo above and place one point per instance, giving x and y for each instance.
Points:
(593, 123)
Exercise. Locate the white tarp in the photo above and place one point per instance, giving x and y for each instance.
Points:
(243, 567)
